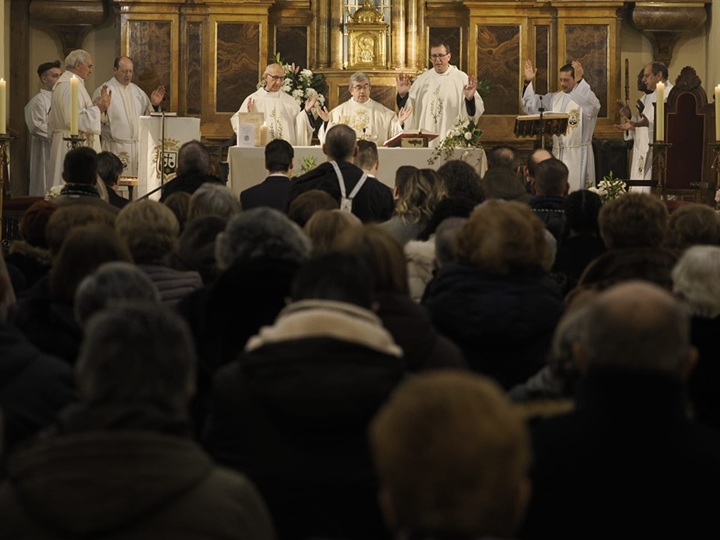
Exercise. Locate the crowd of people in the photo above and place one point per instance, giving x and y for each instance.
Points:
(323, 357)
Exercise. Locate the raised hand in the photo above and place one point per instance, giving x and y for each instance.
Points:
(470, 88)
(250, 104)
(324, 114)
(310, 102)
(530, 72)
(403, 84)
(157, 95)
(404, 113)
(103, 102)
(577, 66)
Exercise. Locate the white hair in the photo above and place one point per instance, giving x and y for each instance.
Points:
(696, 280)
(78, 55)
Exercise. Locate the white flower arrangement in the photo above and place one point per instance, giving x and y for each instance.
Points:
(464, 134)
(302, 84)
(609, 188)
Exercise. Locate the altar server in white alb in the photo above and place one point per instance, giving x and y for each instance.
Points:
(120, 131)
(284, 118)
(36, 118)
(78, 63)
(439, 97)
(370, 120)
(577, 99)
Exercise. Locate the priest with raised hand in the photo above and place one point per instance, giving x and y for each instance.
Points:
(120, 126)
(284, 118)
(370, 120)
(78, 64)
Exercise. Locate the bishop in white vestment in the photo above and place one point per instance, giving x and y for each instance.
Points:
(577, 99)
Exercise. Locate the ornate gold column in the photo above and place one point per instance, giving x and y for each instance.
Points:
(397, 35)
(336, 36)
(664, 24)
(322, 44)
(413, 34)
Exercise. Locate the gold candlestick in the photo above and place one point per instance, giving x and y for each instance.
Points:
(716, 164)
(660, 161)
(4, 175)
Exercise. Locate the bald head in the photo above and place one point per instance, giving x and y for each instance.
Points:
(636, 326)
(536, 157)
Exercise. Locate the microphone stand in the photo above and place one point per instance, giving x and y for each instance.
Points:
(542, 123)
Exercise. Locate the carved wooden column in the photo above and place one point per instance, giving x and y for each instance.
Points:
(322, 44)
(70, 19)
(397, 35)
(336, 35)
(663, 25)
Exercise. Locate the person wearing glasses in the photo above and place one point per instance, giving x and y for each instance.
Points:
(283, 116)
(371, 120)
(439, 97)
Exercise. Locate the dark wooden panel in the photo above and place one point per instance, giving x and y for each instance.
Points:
(150, 47)
(194, 68)
(498, 57)
(589, 45)
(292, 44)
(450, 35)
(382, 94)
(238, 72)
(542, 58)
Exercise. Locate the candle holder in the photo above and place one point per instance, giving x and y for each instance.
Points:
(716, 163)
(4, 174)
(74, 141)
(660, 161)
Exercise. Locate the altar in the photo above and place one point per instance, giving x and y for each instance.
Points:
(247, 165)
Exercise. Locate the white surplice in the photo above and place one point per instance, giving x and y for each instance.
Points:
(36, 119)
(370, 120)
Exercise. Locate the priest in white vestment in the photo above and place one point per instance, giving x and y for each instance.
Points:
(285, 119)
(577, 99)
(371, 120)
(642, 128)
(78, 63)
(120, 131)
(439, 97)
(36, 119)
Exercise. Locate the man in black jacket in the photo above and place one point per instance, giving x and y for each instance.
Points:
(275, 189)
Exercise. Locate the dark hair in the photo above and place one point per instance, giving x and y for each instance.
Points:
(80, 166)
(659, 67)
(340, 142)
(367, 155)
(502, 156)
(179, 203)
(116, 63)
(278, 155)
(193, 158)
(35, 220)
(568, 67)
(582, 208)
(342, 277)
(461, 179)
(551, 177)
(304, 206)
(109, 168)
(42, 68)
(446, 208)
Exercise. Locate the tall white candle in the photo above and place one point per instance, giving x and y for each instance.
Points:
(660, 112)
(3, 109)
(73, 105)
(717, 112)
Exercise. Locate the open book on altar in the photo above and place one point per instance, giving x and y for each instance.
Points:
(550, 123)
(411, 139)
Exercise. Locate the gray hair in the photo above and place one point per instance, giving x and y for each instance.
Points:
(261, 233)
(112, 283)
(78, 55)
(359, 76)
(213, 200)
(695, 280)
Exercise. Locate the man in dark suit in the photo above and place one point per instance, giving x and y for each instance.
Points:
(274, 191)
(370, 200)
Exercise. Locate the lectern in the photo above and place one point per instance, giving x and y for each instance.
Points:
(540, 125)
(411, 139)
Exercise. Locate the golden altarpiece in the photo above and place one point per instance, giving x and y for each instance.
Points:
(210, 53)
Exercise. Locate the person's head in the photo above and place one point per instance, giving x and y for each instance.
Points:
(193, 158)
(447, 208)
(261, 233)
(641, 82)
(446, 238)
(695, 280)
(304, 206)
(84, 249)
(633, 220)
(80, 166)
(325, 226)
(462, 180)
(279, 156)
(582, 208)
(451, 457)
(360, 87)
(335, 276)
(111, 284)
(567, 78)
(654, 73)
(179, 204)
(49, 73)
(123, 70)
(636, 326)
(273, 77)
(503, 238)
(692, 225)
(551, 178)
(418, 193)
(196, 247)
(382, 254)
(134, 355)
(213, 200)
(109, 168)
(66, 218)
(536, 156)
(440, 57)
(80, 63)
(503, 156)
(150, 229)
(34, 222)
(340, 143)
(367, 157)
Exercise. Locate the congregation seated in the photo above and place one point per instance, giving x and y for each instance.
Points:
(502, 179)
(326, 226)
(274, 191)
(193, 170)
(462, 180)
(109, 170)
(80, 173)
(550, 186)
(693, 225)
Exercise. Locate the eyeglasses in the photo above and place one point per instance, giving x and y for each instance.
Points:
(365, 87)
(438, 56)
(276, 77)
